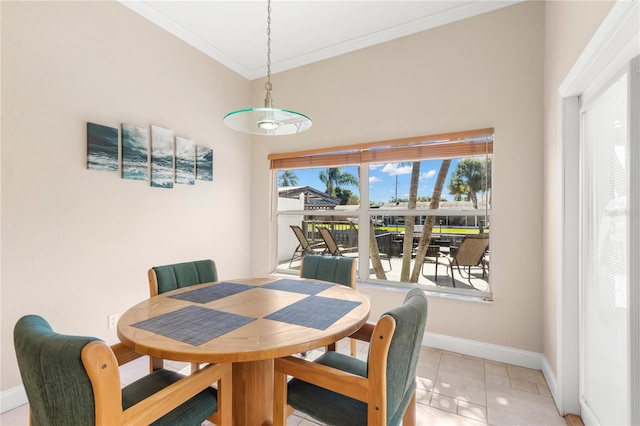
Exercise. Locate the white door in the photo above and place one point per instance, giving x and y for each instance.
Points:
(609, 252)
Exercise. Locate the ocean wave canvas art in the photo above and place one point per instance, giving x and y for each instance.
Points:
(135, 152)
(185, 161)
(204, 163)
(161, 157)
(102, 148)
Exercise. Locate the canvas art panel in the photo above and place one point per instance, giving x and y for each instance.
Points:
(162, 168)
(185, 161)
(204, 163)
(102, 147)
(135, 152)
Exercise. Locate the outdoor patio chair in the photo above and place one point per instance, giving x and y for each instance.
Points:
(75, 380)
(178, 275)
(304, 246)
(338, 250)
(433, 255)
(339, 270)
(470, 252)
(337, 389)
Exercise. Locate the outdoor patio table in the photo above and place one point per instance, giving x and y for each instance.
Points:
(247, 322)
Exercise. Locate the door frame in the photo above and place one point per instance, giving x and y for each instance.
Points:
(613, 46)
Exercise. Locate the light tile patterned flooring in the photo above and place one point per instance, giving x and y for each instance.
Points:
(453, 390)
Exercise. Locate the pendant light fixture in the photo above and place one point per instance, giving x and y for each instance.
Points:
(268, 120)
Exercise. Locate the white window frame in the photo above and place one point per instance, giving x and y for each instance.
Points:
(363, 215)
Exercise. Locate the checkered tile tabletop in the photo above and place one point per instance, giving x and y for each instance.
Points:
(201, 323)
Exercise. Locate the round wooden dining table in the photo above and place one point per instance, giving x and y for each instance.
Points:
(246, 322)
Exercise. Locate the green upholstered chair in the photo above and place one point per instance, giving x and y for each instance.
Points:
(340, 390)
(74, 380)
(336, 269)
(172, 277)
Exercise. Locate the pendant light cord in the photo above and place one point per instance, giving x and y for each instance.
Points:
(268, 120)
(268, 103)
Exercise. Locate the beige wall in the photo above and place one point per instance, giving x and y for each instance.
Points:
(482, 72)
(569, 25)
(76, 244)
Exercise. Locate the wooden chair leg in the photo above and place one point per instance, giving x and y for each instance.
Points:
(353, 347)
(155, 364)
(409, 418)
(223, 416)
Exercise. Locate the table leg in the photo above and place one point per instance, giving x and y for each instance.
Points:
(252, 392)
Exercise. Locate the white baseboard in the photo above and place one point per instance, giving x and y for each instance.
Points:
(484, 350)
(552, 381)
(12, 398)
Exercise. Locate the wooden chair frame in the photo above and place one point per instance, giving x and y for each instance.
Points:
(371, 389)
(102, 365)
(153, 282)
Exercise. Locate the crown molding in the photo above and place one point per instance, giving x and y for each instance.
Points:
(466, 10)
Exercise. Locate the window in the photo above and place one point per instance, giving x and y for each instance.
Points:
(424, 196)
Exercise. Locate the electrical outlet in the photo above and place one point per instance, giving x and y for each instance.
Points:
(113, 321)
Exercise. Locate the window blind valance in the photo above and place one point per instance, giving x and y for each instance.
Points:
(468, 143)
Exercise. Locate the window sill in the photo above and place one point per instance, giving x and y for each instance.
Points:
(476, 297)
(460, 295)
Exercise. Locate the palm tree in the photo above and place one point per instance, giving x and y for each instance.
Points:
(410, 221)
(288, 178)
(334, 177)
(428, 226)
(457, 187)
(468, 178)
(374, 253)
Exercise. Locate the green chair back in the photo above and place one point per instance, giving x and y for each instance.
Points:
(54, 378)
(336, 269)
(404, 352)
(179, 275)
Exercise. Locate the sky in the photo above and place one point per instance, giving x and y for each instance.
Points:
(382, 179)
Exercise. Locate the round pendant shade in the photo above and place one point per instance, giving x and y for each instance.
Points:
(267, 121)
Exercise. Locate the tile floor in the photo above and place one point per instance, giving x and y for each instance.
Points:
(453, 390)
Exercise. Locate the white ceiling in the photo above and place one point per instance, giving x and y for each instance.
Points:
(234, 33)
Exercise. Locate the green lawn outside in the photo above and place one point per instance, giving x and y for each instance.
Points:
(400, 228)
(436, 230)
